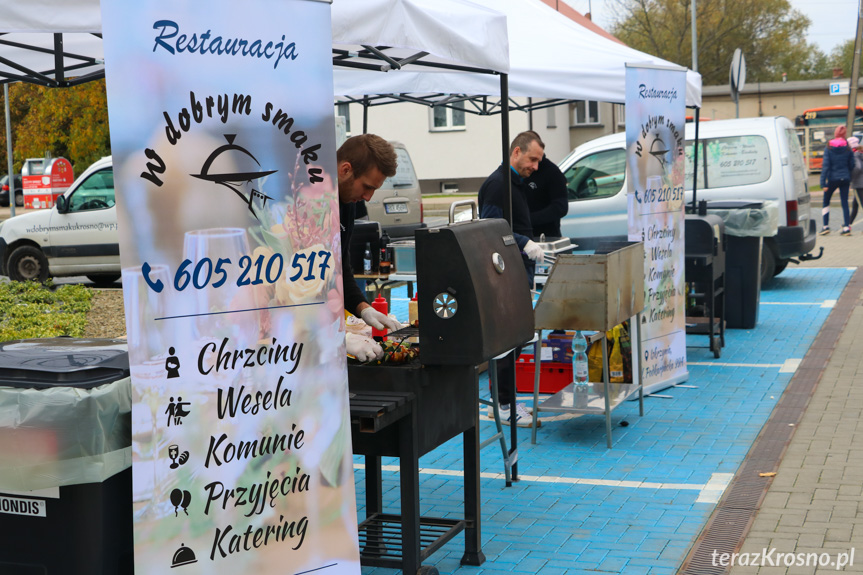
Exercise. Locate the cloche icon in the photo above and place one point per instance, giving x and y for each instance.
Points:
(183, 556)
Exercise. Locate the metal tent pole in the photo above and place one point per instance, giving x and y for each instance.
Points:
(504, 128)
(695, 162)
(366, 115)
(9, 151)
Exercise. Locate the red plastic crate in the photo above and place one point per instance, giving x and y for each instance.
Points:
(554, 376)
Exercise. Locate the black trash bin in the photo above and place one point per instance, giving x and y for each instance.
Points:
(65, 457)
(742, 264)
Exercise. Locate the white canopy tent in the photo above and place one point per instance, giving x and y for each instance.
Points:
(58, 43)
(551, 57)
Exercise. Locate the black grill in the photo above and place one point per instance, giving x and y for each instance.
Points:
(705, 272)
(474, 304)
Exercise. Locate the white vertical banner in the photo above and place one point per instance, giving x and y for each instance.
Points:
(655, 120)
(223, 143)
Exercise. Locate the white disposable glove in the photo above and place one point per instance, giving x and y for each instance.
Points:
(363, 348)
(534, 252)
(378, 320)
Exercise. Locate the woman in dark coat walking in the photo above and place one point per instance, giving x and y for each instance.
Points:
(836, 173)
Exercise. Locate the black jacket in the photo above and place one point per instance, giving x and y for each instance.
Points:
(353, 295)
(546, 197)
(837, 165)
(492, 194)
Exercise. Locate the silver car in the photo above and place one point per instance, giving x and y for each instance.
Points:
(397, 205)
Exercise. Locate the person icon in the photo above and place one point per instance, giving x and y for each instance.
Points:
(170, 411)
(172, 364)
(177, 411)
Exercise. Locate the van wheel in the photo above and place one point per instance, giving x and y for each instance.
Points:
(19, 199)
(768, 264)
(103, 279)
(28, 263)
(780, 267)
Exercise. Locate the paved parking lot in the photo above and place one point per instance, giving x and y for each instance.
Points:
(636, 508)
(641, 506)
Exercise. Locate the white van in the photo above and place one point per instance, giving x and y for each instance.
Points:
(78, 236)
(596, 180)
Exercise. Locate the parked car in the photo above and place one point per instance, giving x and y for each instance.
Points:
(397, 205)
(596, 181)
(4, 190)
(78, 236)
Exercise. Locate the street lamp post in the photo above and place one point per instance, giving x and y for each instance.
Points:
(695, 40)
(855, 73)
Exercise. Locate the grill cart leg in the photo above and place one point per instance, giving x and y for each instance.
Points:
(374, 504)
(410, 491)
(374, 495)
(473, 554)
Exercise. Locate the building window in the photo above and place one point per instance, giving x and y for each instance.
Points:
(447, 118)
(345, 110)
(620, 112)
(551, 117)
(584, 113)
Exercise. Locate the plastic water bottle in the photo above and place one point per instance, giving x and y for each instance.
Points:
(579, 360)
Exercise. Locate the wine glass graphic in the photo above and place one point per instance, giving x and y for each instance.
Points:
(143, 306)
(214, 298)
(173, 453)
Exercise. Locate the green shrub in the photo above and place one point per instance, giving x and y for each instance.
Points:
(30, 310)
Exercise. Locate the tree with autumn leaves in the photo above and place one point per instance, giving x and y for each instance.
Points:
(769, 32)
(65, 122)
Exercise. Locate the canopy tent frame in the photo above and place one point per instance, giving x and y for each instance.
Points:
(56, 77)
(342, 57)
(455, 52)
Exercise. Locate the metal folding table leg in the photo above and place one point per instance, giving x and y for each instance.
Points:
(495, 405)
(537, 362)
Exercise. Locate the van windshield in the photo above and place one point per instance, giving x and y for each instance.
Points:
(405, 175)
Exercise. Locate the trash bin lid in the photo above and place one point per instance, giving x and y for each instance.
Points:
(62, 361)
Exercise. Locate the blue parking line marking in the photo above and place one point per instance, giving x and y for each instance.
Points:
(579, 507)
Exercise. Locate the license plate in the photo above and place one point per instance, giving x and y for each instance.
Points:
(396, 208)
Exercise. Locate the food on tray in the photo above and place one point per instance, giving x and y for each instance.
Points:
(397, 352)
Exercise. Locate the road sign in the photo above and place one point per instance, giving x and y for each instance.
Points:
(842, 88)
(737, 74)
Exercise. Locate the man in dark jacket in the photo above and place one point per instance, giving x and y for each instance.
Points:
(525, 155)
(546, 198)
(363, 163)
(836, 173)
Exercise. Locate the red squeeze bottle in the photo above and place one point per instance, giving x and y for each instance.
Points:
(380, 304)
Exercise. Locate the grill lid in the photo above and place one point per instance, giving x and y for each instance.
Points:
(474, 299)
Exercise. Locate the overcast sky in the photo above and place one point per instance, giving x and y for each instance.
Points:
(833, 21)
